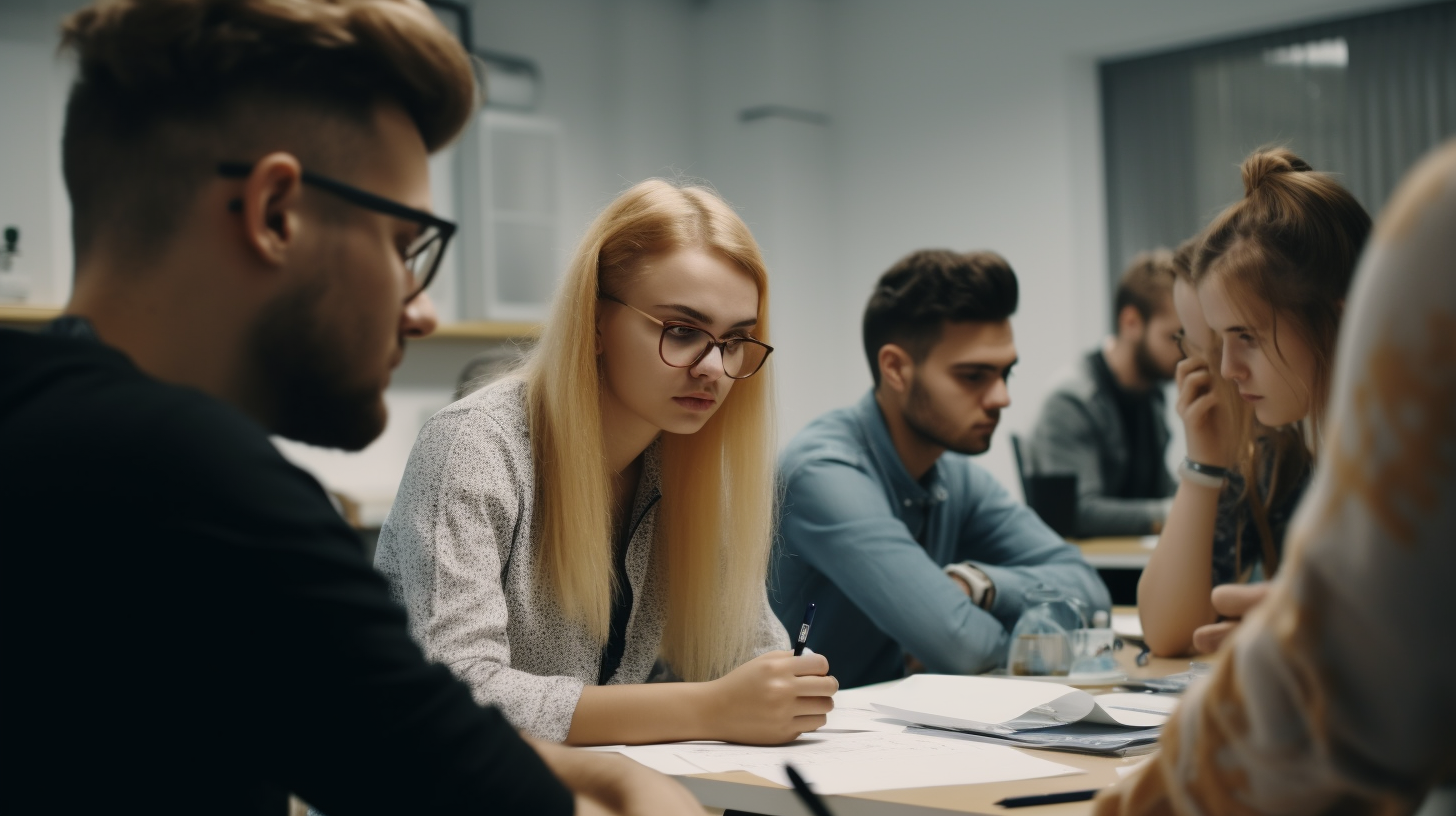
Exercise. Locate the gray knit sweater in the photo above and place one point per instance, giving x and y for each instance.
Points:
(459, 551)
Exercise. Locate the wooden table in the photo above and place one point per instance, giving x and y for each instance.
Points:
(1125, 552)
(743, 791)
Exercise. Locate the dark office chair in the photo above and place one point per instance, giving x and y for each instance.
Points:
(1023, 471)
(1053, 496)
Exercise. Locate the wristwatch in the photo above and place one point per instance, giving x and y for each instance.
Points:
(983, 589)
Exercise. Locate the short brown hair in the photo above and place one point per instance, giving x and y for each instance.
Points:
(924, 290)
(1146, 284)
(168, 88)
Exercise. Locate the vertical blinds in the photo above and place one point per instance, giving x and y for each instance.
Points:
(1363, 98)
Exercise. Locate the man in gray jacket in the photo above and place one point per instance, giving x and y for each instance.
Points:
(1104, 421)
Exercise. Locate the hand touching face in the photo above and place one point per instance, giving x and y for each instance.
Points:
(1263, 354)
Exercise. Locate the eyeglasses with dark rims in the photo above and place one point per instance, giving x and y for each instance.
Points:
(422, 256)
(683, 345)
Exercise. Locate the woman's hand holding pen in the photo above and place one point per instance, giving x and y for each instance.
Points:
(771, 699)
(1205, 421)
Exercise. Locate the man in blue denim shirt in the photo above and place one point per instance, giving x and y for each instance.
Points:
(909, 549)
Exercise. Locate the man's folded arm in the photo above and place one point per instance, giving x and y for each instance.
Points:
(839, 520)
(1007, 540)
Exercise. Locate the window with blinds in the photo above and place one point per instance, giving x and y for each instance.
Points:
(1363, 98)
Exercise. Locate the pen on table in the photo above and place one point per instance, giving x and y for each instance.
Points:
(804, 630)
(810, 799)
(1047, 798)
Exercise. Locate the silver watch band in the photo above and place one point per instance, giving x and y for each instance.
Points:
(983, 589)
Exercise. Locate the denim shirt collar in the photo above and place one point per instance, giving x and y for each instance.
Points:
(906, 491)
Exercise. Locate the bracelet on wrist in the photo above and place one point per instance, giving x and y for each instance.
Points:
(1207, 470)
(1203, 475)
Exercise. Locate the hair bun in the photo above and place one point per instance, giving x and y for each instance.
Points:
(1262, 164)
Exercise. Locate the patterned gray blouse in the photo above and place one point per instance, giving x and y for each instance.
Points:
(459, 551)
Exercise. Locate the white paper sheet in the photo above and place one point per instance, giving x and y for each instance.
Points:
(953, 701)
(664, 758)
(992, 704)
(845, 720)
(862, 697)
(849, 763)
(1137, 710)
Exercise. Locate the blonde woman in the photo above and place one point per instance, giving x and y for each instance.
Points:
(559, 532)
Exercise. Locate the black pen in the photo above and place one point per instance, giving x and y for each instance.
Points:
(804, 631)
(810, 799)
(1048, 798)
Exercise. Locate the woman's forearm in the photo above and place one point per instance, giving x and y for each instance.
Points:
(770, 700)
(641, 714)
(1174, 591)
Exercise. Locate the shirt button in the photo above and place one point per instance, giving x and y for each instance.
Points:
(907, 502)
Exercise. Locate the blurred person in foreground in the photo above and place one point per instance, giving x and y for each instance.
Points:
(1334, 695)
(193, 626)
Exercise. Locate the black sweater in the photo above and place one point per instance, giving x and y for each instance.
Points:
(190, 626)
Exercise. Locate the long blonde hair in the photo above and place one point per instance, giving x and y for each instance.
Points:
(715, 518)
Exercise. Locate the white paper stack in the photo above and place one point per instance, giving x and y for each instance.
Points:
(854, 762)
(1001, 705)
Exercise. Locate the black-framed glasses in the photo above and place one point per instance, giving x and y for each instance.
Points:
(421, 257)
(683, 345)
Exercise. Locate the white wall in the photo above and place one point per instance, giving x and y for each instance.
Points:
(956, 123)
(977, 125)
(33, 82)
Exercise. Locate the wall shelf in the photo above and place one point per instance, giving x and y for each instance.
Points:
(28, 315)
(485, 330)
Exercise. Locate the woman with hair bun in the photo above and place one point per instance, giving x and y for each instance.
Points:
(1270, 274)
(560, 531)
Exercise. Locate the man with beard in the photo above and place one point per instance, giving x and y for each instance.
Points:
(913, 553)
(189, 624)
(1105, 423)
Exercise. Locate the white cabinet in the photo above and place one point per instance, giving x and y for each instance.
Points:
(520, 232)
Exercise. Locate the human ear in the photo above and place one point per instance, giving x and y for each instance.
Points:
(269, 206)
(1130, 322)
(896, 367)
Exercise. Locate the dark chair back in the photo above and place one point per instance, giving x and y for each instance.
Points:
(1052, 495)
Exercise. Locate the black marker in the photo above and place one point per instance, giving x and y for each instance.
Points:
(804, 631)
(1048, 798)
(810, 799)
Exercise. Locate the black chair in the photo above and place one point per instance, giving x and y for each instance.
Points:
(1022, 471)
(1053, 496)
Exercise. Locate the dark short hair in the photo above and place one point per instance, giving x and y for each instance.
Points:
(1146, 284)
(166, 89)
(923, 290)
